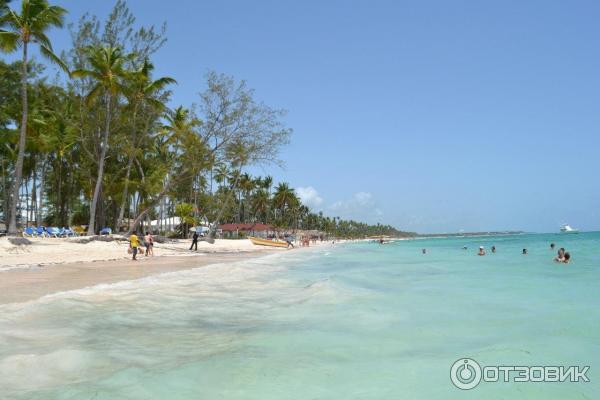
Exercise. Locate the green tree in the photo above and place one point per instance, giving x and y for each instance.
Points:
(18, 30)
(107, 71)
(141, 91)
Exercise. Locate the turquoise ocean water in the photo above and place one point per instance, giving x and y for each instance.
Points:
(353, 321)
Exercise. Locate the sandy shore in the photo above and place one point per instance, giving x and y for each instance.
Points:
(69, 250)
(47, 266)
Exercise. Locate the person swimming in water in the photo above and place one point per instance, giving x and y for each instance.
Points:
(424, 251)
(567, 258)
(493, 249)
(551, 246)
(524, 252)
(560, 257)
(481, 251)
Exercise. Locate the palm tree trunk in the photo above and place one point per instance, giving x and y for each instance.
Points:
(91, 226)
(38, 214)
(34, 202)
(5, 192)
(26, 188)
(129, 164)
(12, 227)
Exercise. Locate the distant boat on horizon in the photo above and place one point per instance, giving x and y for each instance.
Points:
(566, 228)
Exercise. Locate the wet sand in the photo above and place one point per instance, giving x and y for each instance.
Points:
(21, 285)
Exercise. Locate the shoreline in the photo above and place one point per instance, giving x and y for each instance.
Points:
(20, 285)
(72, 266)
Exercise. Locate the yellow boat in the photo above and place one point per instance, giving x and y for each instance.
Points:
(267, 242)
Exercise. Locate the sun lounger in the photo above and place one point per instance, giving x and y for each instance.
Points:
(41, 231)
(29, 232)
(52, 232)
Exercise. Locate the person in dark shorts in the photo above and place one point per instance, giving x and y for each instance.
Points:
(194, 241)
(134, 244)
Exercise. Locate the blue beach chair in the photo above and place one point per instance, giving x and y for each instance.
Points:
(29, 232)
(52, 232)
(41, 232)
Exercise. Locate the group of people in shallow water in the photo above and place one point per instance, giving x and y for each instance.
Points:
(562, 257)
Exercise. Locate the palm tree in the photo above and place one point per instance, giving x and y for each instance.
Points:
(284, 198)
(221, 174)
(107, 71)
(260, 205)
(142, 90)
(17, 31)
(268, 183)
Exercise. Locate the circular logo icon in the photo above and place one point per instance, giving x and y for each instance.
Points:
(465, 373)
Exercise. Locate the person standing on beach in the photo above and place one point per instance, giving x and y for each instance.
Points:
(134, 243)
(149, 244)
(194, 241)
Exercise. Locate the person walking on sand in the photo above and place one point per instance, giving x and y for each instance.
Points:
(134, 244)
(288, 240)
(194, 241)
(149, 244)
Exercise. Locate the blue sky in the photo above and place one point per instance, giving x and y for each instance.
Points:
(429, 115)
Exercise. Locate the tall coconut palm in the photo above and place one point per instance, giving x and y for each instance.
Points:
(260, 205)
(221, 174)
(18, 30)
(141, 91)
(268, 183)
(107, 71)
(284, 198)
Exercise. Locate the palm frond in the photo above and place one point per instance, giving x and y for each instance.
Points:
(49, 54)
(94, 94)
(159, 84)
(9, 41)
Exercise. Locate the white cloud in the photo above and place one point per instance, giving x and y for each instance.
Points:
(361, 206)
(309, 197)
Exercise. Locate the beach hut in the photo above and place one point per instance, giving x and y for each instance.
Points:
(246, 229)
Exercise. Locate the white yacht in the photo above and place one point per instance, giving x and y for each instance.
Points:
(566, 228)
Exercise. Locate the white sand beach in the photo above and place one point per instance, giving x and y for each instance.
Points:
(47, 266)
(50, 251)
